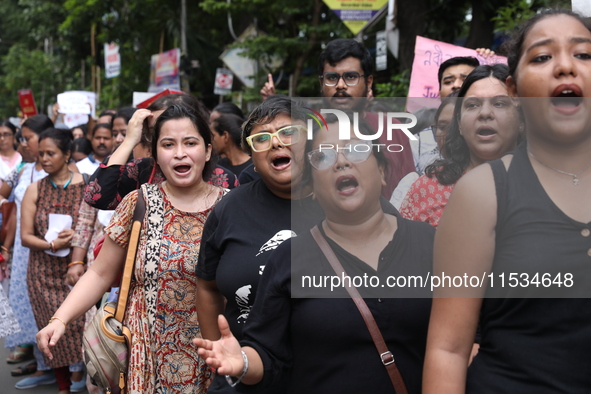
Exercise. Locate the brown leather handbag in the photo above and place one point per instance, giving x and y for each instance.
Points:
(107, 340)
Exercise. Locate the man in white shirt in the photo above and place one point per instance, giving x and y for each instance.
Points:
(101, 139)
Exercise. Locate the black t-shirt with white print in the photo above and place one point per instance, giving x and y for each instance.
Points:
(238, 237)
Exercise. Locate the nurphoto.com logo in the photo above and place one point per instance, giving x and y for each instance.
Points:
(388, 123)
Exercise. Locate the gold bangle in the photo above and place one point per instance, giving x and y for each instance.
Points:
(4, 248)
(75, 263)
(57, 318)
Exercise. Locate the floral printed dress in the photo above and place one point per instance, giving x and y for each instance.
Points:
(161, 310)
(425, 201)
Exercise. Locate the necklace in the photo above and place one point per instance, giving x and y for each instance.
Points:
(66, 184)
(575, 176)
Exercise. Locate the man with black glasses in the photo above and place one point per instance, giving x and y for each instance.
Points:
(345, 70)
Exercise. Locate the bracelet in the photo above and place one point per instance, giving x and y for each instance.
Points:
(52, 247)
(244, 370)
(75, 263)
(4, 248)
(57, 318)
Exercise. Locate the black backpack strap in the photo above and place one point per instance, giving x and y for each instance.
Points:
(501, 185)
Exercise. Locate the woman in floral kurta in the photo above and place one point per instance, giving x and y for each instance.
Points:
(161, 306)
(160, 311)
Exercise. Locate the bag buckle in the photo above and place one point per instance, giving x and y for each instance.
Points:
(387, 358)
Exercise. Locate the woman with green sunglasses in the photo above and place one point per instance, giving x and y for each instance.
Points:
(252, 220)
(312, 335)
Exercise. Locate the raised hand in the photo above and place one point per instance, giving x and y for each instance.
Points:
(135, 126)
(269, 88)
(485, 52)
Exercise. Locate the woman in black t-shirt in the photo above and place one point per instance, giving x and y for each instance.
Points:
(252, 220)
(524, 221)
(313, 339)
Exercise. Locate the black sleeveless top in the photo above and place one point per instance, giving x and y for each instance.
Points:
(535, 344)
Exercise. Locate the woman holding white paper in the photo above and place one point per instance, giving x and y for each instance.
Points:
(59, 193)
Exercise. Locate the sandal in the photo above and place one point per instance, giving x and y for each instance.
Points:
(20, 354)
(25, 369)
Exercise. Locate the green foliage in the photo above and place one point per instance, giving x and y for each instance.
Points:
(45, 45)
(397, 87)
(516, 12)
(23, 68)
(287, 32)
(513, 15)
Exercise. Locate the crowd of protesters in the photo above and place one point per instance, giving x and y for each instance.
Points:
(240, 207)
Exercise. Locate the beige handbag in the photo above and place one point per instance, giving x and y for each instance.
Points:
(106, 341)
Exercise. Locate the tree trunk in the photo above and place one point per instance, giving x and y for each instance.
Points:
(482, 27)
(411, 22)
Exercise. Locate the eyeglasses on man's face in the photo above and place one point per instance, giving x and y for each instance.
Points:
(325, 158)
(351, 78)
(287, 135)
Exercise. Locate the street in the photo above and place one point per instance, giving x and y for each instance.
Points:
(7, 382)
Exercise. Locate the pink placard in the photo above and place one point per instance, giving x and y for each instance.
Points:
(429, 54)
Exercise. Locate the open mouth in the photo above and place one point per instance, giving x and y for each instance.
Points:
(281, 162)
(567, 96)
(347, 184)
(182, 169)
(485, 132)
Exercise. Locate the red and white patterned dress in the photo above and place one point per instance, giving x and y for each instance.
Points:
(161, 310)
(426, 200)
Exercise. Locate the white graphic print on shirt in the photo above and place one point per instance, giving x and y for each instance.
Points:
(277, 239)
(243, 293)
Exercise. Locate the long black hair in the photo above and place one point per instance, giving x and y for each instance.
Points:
(455, 150)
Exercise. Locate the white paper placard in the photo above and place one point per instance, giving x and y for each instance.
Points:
(582, 7)
(57, 223)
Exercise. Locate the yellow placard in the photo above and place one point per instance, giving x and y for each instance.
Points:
(355, 14)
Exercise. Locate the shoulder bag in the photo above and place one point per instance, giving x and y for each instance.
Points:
(106, 341)
(386, 355)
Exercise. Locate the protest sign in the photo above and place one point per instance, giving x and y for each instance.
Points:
(164, 71)
(429, 54)
(223, 81)
(112, 60)
(27, 102)
(76, 105)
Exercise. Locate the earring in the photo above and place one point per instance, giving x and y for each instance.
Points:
(254, 168)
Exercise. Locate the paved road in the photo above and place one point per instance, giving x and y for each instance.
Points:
(7, 382)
